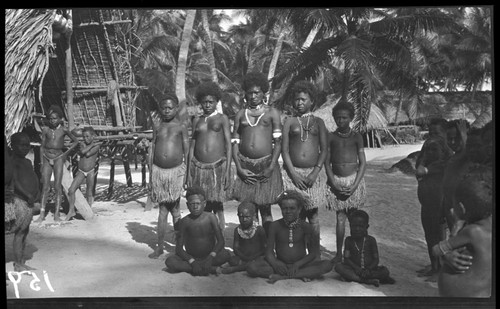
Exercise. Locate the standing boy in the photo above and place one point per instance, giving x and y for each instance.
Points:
(290, 252)
(361, 254)
(88, 155)
(249, 240)
(169, 152)
(304, 151)
(199, 248)
(346, 165)
(210, 152)
(53, 158)
(256, 149)
(25, 190)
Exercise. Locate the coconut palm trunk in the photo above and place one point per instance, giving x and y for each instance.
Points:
(180, 78)
(274, 62)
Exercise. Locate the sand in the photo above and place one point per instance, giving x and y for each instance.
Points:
(109, 256)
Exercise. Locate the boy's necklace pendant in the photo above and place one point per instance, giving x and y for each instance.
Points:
(361, 252)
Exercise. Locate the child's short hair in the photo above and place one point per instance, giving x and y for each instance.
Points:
(208, 88)
(88, 129)
(250, 206)
(358, 213)
(342, 104)
(55, 109)
(292, 195)
(255, 79)
(195, 190)
(443, 123)
(453, 124)
(475, 192)
(306, 87)
(16, 137)
(163, 96)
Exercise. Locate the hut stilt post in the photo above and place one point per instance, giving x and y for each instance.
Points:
(69, 76)
(111, 178)
(126, 166)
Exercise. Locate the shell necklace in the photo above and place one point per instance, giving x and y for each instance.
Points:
(291, 226)
(249, 233)
(344, 134)
(212, 114)
(361, 252)
(259, 107)
(54, 131)
(306, 128)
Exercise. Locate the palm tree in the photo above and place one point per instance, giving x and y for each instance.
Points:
(180, 79)
(365, 44)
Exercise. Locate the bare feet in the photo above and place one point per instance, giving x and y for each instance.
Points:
(374, 282)
(57, 218)
(425, 269)
(337, 259)
(40, 218)
(432, 278)
(22, 267)
(70, 215)
(156, 253)
(388, 280)
(306, 279)
(429, 273)
(275, 277)
(227, 270)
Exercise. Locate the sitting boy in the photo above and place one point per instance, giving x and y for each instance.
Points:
(361, 254)
(249, 240)
(200, 244)
(475, 203)
(290, 252)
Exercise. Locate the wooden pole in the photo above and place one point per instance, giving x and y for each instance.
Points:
(69, 76)
(111, 178)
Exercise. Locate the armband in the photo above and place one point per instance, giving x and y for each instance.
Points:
(213, 254)
(426, 170)
(235, 141)
(442, 248)
(361, 150)
(276, 134)
(191, 261)
(318, 166)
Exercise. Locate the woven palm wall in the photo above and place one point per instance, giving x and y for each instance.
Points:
(100, 55)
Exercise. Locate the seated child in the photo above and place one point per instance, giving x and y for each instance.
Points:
(25, 190)
(88, 155)
(475, 202)
(200, 243)
(361, 254)
(249, 240)
(290, 252)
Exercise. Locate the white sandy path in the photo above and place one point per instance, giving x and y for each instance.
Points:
(108, 257)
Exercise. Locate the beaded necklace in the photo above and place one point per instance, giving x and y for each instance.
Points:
(259, 107)
(291, 226)
(54, 131)
(249, 233)
(344, 134)
(361, 252)
(306, 128)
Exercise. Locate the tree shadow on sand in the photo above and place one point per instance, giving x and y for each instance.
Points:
(146, 234)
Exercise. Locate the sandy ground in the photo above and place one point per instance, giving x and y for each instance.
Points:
(108, 257)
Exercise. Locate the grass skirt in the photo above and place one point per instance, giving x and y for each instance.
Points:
(209, 176)
(318, 195)
(167, 183)
(261, 193)
(356, 200)
(17, 214)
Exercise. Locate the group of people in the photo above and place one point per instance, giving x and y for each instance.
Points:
(454, 172)
(320, 169)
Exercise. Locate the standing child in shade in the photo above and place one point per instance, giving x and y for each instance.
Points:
(304, 151)
(169, 152)
(361, 254)
(256, 149)
(210, 152)
(290, 252)
(475, 203)
(249, 240)
(53, 158)
(199, 248)
(23, 192)
(88, 155)
(346, 165)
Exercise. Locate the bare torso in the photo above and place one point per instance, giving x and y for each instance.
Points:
(356, 246)
(249, 247)
(53, 141)
(210, 143)
(256, 141)
(198, 235)
(168, 152)
(304, 146)
(87, 163)
(477, 280)
(25, 176)
(284, 252)
(344, 154)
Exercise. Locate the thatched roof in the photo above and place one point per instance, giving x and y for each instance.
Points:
(376, 119)
(28, 42)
